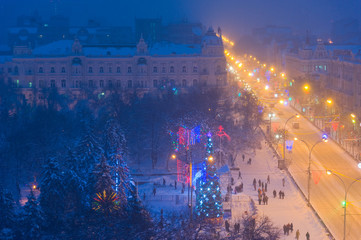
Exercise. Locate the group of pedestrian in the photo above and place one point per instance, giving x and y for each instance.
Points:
(237, 227)
(298, 235)
(287, 228)
(261, 184)
(281, 194)
(262, 197)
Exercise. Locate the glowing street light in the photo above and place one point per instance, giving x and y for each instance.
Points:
(310, 149)
(344, 202)
(306, 87)
(353, 115)
(210, 158)
(329, 101)
(272, 69)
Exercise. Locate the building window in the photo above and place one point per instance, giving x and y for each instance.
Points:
(129, 69)
(110, 83)
(130, 84)
(16, 70)
(118, 84)
(101, 83)
(184, 69)
(184, 83)
(195, 82)
(110, 69)
(63, 69)
(90, 70)
(155, 69)
(41, 70)
(52, 84)
(91, 84)
(63, 83)
(77, 84)
(163, 69)
(9, 70)
(118, 69)
(52, 70)
(171, 69)
(30, 84)
(195, 69)
(172, 82)
(155, 83)
(41, 83)
(101, 70)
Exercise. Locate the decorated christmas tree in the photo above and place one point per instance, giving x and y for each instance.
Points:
(208, 195)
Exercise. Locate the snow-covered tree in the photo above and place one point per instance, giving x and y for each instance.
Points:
(7, 216)
(103, 178)
(51, 195)
(31, 219)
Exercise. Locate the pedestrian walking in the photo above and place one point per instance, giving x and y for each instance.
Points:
(274, 194)
(250, 161)
(239, 175)
(279, 194)
(265, 187)
(154, 191)
(283, 195)
(307, 236)
(259, 200)
(143, 196)
(298, 234)
(262, 185)
(243, 157)
(163, 182)
(241, 187)
(268, 180)
(283, 181)
(291, 227)
(227, 225)
(259, 183)
(175, 184)
(264, 200)
(284, 229)
(266, 197)
(235, 227)
(232, 181)
(254, 181)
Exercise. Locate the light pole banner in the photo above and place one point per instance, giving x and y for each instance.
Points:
(316, 174)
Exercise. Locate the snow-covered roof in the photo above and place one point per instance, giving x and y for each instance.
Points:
(62, 47)
(170, 48)
(109, 51)
(16, 30)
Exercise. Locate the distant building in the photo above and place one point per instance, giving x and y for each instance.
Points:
(336, 68)
(75, 69)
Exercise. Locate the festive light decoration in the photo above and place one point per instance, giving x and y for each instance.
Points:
(106, 203)
(208, 195)
(186, 137)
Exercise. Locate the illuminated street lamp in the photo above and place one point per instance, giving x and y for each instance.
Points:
(344, 202)
(329, 101)
(281, 164)
(306, 87)
(271, 115)
(310, 149)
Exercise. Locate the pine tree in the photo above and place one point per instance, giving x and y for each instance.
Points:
(88, 151)
(115, 149)
(31, 219)
(51, 196)
(7, 216)
(103, 179)
(208, 196)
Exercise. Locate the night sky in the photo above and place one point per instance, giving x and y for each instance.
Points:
(234, 16)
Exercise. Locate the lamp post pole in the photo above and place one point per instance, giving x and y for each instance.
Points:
(309, 168)
(284, 141)
(345, 199)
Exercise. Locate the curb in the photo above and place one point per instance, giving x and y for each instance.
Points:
(299, 189)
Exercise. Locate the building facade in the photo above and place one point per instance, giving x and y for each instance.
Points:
(73, 68)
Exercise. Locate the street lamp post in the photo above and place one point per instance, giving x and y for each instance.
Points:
(271, 115)
(324, 139)
(284, 141)
(329, 172)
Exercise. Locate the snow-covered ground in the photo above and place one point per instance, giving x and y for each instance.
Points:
(291, 209)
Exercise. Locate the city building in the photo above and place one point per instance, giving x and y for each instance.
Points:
(77, 69)
(335, 68)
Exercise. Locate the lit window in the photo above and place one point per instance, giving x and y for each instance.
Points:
(118, 69)
(155, 69)
(52, 70)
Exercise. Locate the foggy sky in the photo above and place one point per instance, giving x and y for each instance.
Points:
(234, 16)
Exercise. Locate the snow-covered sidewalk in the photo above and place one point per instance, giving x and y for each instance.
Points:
(291, 209)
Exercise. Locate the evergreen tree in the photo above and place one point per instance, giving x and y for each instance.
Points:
(208, 196)
(7, 216)
(103, 179)
(51, 196)
(88, 152)
(31, 219)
